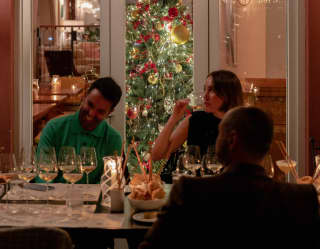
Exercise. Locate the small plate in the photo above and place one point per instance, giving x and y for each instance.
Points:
(148, 217)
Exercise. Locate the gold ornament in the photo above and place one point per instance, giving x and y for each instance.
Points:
(134, 52)
(180, 34)
(178, 68)
(135, 14)
(159, 26)
(152, 79)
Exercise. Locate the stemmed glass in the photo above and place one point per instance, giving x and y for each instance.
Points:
(47, 167)
(211, 160)
(197, 102)
(193, 158)
(88, 163)
(8, 167)
(88, 159)
(68, 164)
(28, 169)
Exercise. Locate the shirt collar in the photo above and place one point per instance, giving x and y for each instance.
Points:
(245, 169)
(77, 128)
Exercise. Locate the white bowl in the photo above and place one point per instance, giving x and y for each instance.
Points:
(147, 204)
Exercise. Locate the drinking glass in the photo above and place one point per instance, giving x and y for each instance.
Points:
(88, 159)
(268, 165)
(68, 164)
(8, 173)
(193, 158)
(211, 160)
(180, 169)
(27, 170)
(197, 102)
(47, 167)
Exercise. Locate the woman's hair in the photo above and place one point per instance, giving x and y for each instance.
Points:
(228, 87)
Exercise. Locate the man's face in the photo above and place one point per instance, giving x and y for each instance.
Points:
(93, 110)
(222, 146)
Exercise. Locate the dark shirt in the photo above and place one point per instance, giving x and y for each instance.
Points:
(240, 208)
(203, 130)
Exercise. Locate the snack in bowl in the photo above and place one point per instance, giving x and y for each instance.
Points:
(146, 204)
(146, 194)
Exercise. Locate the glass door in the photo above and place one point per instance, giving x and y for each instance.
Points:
(253, 44)
(159, 65)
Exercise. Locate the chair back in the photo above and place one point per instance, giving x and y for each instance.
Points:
(34, 238)
(60, 62)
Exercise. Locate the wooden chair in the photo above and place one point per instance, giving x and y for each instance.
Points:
(34, 238)
(60, 62)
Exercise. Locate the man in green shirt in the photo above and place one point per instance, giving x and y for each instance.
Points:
(87, 127)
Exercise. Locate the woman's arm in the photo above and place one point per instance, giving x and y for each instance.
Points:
(168, 140)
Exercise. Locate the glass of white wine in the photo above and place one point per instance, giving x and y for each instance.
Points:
(27, 170)
(193, 158)
(47, 169)
(211, 160)
(68, 164)
(8, 172)
(88, 159)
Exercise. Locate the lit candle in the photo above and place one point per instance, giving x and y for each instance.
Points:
(110, 167)
(73, 87)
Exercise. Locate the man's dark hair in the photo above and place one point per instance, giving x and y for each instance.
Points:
(254, 128)
(109, 89)
(227, 85)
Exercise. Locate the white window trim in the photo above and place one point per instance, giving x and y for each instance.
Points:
(296, 89)
(23, 133)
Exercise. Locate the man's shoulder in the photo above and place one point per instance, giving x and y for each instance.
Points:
(111, 131)
(61, 121)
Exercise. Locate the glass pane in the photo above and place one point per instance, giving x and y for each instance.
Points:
(159, 65)
(253, 45)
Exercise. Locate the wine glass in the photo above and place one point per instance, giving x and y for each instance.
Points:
(211, 160)
(268, 166)
(193, 158)
(197, 102)
(68, 164)
(47, 167)
(27, 170)
(88, 159)
(8, 173)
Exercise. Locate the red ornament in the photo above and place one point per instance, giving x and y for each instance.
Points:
(132, 113)
(146, 8)
(173, 12)
(146, 37)
(156, 37)
(139, 5)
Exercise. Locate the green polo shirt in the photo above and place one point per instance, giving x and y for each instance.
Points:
(67, 131)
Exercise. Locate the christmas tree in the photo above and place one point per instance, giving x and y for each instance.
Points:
(159, 68)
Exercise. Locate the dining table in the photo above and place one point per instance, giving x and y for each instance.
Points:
(85, 217)
(41, 110)
(49, 99)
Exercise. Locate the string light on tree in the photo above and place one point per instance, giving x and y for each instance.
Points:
(159, 45)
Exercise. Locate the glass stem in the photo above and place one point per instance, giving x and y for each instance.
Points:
(87, 178)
